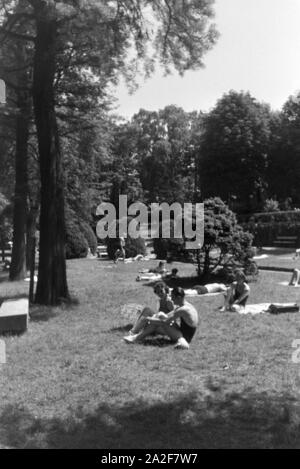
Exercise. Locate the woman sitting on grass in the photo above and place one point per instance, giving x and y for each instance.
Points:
(237, 294)
(166, 324)
(166, 305)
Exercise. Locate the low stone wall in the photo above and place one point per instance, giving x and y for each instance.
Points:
(14, 316)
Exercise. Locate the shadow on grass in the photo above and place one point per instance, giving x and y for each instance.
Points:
(41, 313)
(190, 421)
(183, 282)
(3, 276)
(122, 329)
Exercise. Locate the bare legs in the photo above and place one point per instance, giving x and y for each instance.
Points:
(165, 329)
(142, 320)
(295, 278)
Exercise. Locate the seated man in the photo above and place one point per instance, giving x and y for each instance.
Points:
(181, 333)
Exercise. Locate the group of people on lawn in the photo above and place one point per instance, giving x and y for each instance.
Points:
(177, 318)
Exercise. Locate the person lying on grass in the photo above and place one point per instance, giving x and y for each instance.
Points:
(237, 294)
(162, 323)
(147, 274)
(160, 269)
(210, 288)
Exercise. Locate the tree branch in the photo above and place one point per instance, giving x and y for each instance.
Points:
(23, 37)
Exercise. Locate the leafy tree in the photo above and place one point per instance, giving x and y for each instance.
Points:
(222, 233)
(235, 150)
(15, 69)
(223, 239)
(181, 36)
(5, 223)
(271, 205)
(165, 152)
(121, 173)
(3, 202)
(284, 171)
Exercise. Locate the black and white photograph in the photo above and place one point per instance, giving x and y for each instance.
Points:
(149, 227)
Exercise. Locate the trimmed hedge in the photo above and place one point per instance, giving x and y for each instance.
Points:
(89, 236)
(266, 233)
(76, 243)
(171, 249)
(289, 216)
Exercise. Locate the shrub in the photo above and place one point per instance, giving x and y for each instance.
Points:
(222, 234)
(76, 243)
(271, 205)
(170, 249)
(290, 216)
(266, 233)
(89, 236)
(133, 246)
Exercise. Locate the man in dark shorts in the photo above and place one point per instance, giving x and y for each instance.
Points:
(181, 332)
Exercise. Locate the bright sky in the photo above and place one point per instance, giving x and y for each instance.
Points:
(258, 51)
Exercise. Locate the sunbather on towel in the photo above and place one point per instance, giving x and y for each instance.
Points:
(166, 305)
(237, 294)
(182, 334)
(210, 288)
(160, 269)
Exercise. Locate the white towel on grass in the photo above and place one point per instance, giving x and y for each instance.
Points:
(193, 292)
(262, 256)
(286, 284)
(255, 309)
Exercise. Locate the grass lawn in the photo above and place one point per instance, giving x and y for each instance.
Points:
(279, 258)
(72, 382)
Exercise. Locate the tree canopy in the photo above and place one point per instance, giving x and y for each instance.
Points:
(235, 149)
(76, 49)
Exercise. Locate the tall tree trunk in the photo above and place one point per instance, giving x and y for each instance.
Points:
(18, 259)
(52, 285)
(30, 233)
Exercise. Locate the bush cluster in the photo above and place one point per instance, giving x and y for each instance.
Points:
(76, 243)
(266, 233)
(133, 246)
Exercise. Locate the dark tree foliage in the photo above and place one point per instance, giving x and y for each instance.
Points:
(180, 34)
(284, 173)
(223, 238)
(234, 154)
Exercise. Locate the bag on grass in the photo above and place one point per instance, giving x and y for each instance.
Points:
(278, 308)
